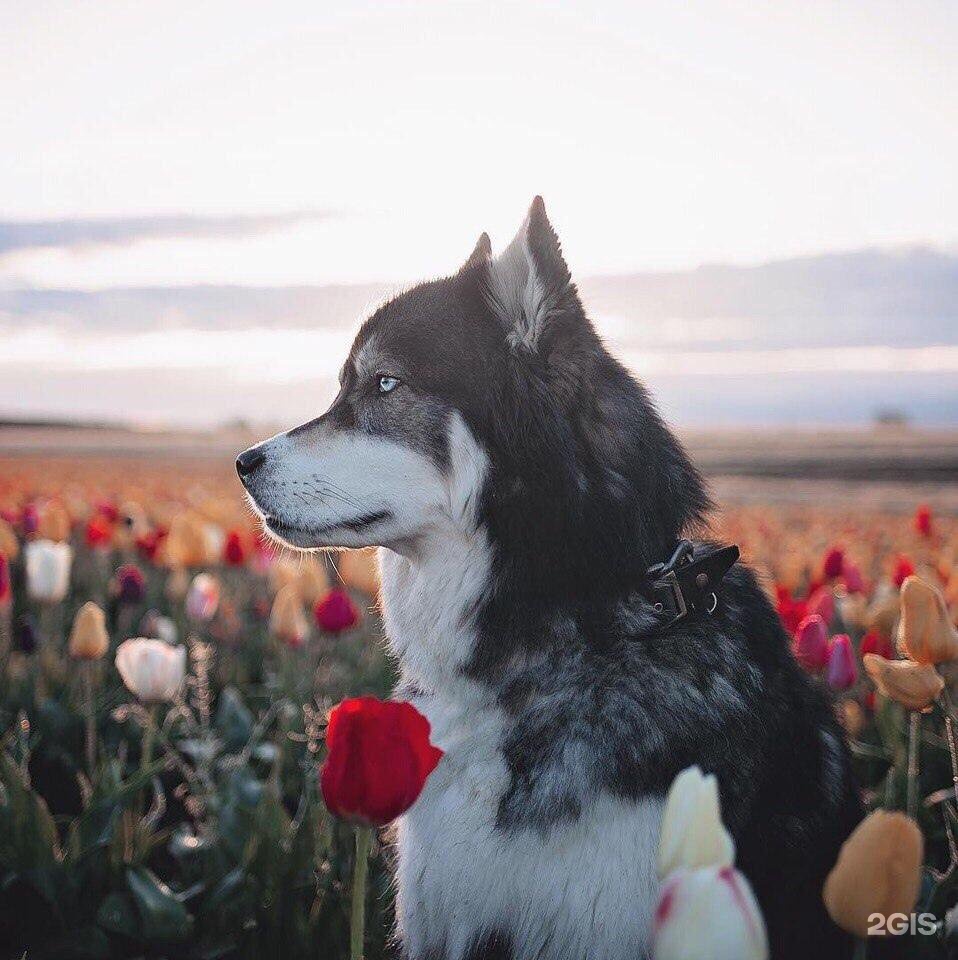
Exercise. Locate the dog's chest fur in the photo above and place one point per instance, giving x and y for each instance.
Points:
(581, 886)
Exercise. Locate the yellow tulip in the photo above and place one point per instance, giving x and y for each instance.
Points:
(287, 621)
(360, 570)
(88, 638)
(878, 871)
(54, 523)
(925, 631)
(914, 685)
(9, 545)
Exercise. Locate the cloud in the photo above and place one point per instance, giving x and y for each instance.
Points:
(72, 233)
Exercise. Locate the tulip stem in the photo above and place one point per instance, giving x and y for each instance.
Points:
(146, 751)
(861, 950)
(88, 695)
(357, 920)
(914, 731)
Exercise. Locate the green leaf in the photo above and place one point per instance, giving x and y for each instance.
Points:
(28, 835)
(117, 914)
(163, 917)
(233, 720)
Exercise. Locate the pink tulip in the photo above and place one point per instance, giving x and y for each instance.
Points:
(842, 670)
(811, 643)
(822, 602)
(853, 579)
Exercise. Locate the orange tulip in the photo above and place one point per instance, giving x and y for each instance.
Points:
(88, 638)
(878, 871)
(925, 631)
(914, 685)
(54, 523)
(9, 544)
(360, 570)
(288, 621)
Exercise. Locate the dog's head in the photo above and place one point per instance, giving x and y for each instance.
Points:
(483, 397)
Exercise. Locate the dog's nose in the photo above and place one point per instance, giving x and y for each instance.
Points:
(248, 461)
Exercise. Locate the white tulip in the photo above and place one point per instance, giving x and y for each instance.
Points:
(152, 670)
(708, 914)
(48, 570)
(693, 834)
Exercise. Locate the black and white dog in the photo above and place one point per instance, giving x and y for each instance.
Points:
(521, 484)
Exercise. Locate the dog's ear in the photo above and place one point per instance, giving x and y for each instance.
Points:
(529, 283)
(480, 256)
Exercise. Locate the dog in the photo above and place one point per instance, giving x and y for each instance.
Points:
(521, 485)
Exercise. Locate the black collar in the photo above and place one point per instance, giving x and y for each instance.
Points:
(686, 584)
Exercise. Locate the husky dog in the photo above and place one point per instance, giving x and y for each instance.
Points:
(521, 483)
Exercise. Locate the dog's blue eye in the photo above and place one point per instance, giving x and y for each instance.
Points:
(386, 384)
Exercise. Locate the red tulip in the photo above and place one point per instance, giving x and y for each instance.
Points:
(811, 643)
(834, 563)
(923, 520)
(902, 570)
(842, 671)
(234, 553)
(378, 761)
(336, 611)
(148, 543)
(99, 532)
(791, 611)
(108, 510)
(876, 642)
(5, 592)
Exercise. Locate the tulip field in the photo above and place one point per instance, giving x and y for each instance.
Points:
(167, 679)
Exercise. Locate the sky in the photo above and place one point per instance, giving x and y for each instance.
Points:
(178, 143)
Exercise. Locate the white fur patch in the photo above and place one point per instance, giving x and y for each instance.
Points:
(318, 480)
(586, 889)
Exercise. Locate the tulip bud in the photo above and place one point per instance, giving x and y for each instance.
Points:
(878, 871)
(6, 593)
(48, 570)
(902, 570)
(925, 631)
(99, 532)
(914, 685)
(842, 671)
(336, 612)
(852, 578)
(379, 758)
(130, 585)
(9, 544)
(692, 833)
(708, 914)
(834, 563)
(822, 603)
(54, 523)
(288, 621)
(203, 598)
(88, 638)
(152, 670)
(923, 520)
(875, 642)
(811, 643)
(234, 553)
(360, 570)
(313, 582)
(160, 627)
